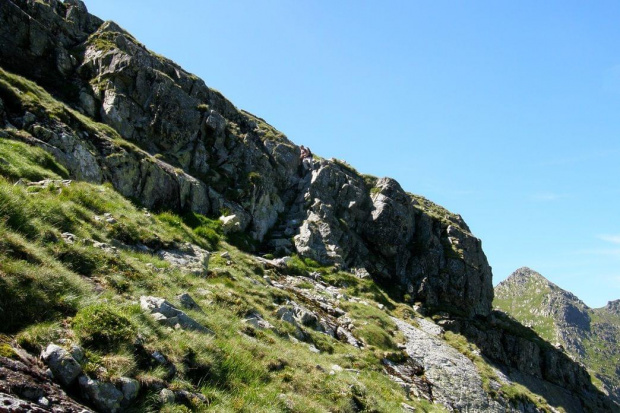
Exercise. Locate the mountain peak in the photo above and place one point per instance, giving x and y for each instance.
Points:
(588, 335)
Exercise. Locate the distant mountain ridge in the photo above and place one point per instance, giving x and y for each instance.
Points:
(588, 335)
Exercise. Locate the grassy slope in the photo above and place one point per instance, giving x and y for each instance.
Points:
(47, 292)
(525, 307)
(51, 289)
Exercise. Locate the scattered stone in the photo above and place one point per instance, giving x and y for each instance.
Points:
(257, 321)
(407, 407)
(166, 396)
(169, 315)
(225, 255)
(288, 403)
(110, 219)
(43, 402)
(68, 237)
(345, 335)
(230, 223)
(103, 395)
(152, 267)
(159, 357)
(63, 366)
(188, 302)
(188, 257)
(130, 389)
(361, 273)
(313, 349)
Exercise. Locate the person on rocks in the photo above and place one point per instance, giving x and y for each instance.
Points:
(306, 158)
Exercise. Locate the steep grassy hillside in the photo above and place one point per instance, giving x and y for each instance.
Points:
(162, 250)
(84, 289)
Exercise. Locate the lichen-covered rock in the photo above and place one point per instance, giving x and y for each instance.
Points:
(62, 364)
(130, 389)
(188, 257)
(103, 395)
(25, 387)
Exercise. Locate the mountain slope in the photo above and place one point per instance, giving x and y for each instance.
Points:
(163, 250)
(588, 335)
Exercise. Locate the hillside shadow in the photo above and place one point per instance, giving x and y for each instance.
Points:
(531, 361)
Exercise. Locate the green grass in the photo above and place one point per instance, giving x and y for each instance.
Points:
(21, 161)
(52, 290)
(103, 326)
(48, 286)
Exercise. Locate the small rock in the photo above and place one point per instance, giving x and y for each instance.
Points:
(407, 407)
(68, 237)
(130, 389)
(313, 349)
(103, 395)
(380, 306)
(257, 321)
(77, 352)
(63, 366)
(188, 302)
(159, 357)
(167, 314)
(225, 255)
(43, 402)
(361, 273)
(337, 368)
(166, 396)
(287, 402)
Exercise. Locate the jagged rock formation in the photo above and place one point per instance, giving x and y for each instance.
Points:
(199, 152)
(110, 111)
(587, 335)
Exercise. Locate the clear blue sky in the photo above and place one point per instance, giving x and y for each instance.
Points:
(504, 112)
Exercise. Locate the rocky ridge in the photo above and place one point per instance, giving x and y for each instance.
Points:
(196, 151)
(587, 335)
(110, 111)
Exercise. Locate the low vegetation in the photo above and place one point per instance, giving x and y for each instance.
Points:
(57, 281)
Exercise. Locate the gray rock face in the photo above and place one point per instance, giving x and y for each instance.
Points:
(454, 379)
(104, 396)
(64, 367)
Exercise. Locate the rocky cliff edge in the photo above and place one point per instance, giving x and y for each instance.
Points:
(161, 136)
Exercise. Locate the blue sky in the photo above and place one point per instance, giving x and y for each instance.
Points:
(504, 112)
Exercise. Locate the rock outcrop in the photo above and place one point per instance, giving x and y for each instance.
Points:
(192, 149)
(110, 111)
(25, 387)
